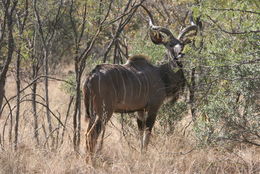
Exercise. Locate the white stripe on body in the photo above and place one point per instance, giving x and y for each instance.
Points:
(139, 83)
(99, 88)
(124, 87)
(112, 82)
(147, 89)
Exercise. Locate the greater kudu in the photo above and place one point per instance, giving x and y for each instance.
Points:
(137, 86)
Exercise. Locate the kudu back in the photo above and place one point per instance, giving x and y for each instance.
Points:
(136, 86)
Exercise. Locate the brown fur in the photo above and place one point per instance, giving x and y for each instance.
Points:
(138, 58)
(136, 86)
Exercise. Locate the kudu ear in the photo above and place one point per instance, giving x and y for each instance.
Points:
(156, 36)
(156, 32)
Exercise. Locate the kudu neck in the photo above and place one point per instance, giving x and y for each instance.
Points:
(173, 65)
(173, 77)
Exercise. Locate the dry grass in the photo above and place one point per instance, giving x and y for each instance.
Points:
(174, 153)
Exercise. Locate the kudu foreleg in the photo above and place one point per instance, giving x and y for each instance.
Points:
(141, 127)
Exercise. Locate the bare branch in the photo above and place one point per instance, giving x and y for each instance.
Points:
(238, 10)
(10, 114)
(89, 48)
(56, 117)
(122, 23)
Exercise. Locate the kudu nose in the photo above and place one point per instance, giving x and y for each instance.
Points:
(178, 50)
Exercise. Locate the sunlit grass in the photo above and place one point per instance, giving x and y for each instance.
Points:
(175, 153)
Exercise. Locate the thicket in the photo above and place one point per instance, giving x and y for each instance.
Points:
(221, 66)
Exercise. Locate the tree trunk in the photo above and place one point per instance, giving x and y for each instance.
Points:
(8, 58)
(18, 84)
(46, 86)
(77, 109)
(79, 112)
(192, 94)
(9, 9)
(34, 90)
(66, 118)
(2, 92)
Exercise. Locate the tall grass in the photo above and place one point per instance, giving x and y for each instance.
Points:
(167, 153)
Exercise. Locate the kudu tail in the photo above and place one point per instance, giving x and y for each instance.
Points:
(87, 102)
(91, 118)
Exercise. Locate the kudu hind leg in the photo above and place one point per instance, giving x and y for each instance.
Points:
(106, 117)
(95, 127)
(149, 123)
(93, 131)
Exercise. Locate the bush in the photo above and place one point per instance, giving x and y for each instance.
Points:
(170, 114)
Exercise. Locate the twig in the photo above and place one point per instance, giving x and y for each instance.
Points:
(66, 118)
(232, 32)
(32, 82)
(50, 135)
(10, 114)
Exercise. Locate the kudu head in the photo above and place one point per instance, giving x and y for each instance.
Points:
(174, 45)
